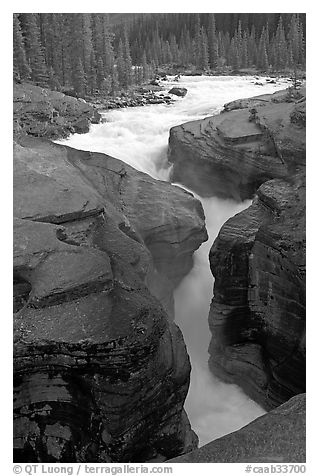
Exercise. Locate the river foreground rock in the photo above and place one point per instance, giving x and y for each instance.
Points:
(277, 437)
(100, 372)
(41, 112)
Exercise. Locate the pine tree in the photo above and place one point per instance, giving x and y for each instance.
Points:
(20, 65)
(79, 78)
(34, 50)
(86, 37)
(92, 74)
(212, 42)
(144, 66)
(244, 51)
(197, 41)
(281, 52)
(203, 61)
(100, 73)
(167, 53)
(53, 81)
(121, 68)
(115, 81)
(127, 60)
(174, 49)
(252, 48)
(262, 51)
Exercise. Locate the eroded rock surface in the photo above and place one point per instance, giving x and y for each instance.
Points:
(277, 437)
(100, 374)
(178, 91)
(230, 155)
(41, 112)
(257, 315)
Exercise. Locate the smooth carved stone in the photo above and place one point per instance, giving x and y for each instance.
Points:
(257, 315)
(277, 437)
(230, 155)
(99, 372)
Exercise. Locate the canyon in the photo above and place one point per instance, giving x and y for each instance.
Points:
(101, 371)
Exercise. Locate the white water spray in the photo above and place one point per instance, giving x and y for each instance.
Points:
(139, 137)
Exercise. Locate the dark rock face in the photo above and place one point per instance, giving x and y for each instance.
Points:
(43, 113)
(277, 437)
(100, 374)
(230, 156)
(257, 315)
(178, 91)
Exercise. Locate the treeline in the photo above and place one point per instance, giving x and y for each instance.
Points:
(71, 50)
(84, 53)
(267, 41)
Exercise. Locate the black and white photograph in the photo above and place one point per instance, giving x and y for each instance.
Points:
(159, 241)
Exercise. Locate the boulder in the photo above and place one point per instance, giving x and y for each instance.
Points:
(257, 316)
(41, 112)
(230, 156)
(178, 91)
(100, 374)
(277, 437)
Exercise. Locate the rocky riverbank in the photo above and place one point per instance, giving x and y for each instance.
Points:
(257, 314)
(100, 374)
(230, 155)
(40, 112)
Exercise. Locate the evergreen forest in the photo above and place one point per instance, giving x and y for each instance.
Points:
(85, 54)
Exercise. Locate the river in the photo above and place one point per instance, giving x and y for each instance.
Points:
(139, 137)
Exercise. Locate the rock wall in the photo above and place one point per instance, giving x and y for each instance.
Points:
(277, 437)
(230, 155)
(100, 374)
(257, 316)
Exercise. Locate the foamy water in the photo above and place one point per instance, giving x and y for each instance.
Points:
(139, 137)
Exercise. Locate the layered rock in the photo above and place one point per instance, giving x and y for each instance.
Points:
(41, 112)
(99, 372)
(230, 155)
(277, 437)
(257, 315)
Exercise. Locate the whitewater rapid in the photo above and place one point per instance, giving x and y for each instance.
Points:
(139, 137)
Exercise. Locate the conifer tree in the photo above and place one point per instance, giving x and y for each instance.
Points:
(144, 67)
(86, 37)
(174, 49)
(115, 81)
(53, 81)
(244, 51)
(121, 68)
(34, 51)
(79, 78)
(92, 74)
(281, 52)
(20, 65)
(262, 53)
(197, 42)
(252, 48)
(100, 73)
(127, 61)
(212, 42)
(203, 64)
